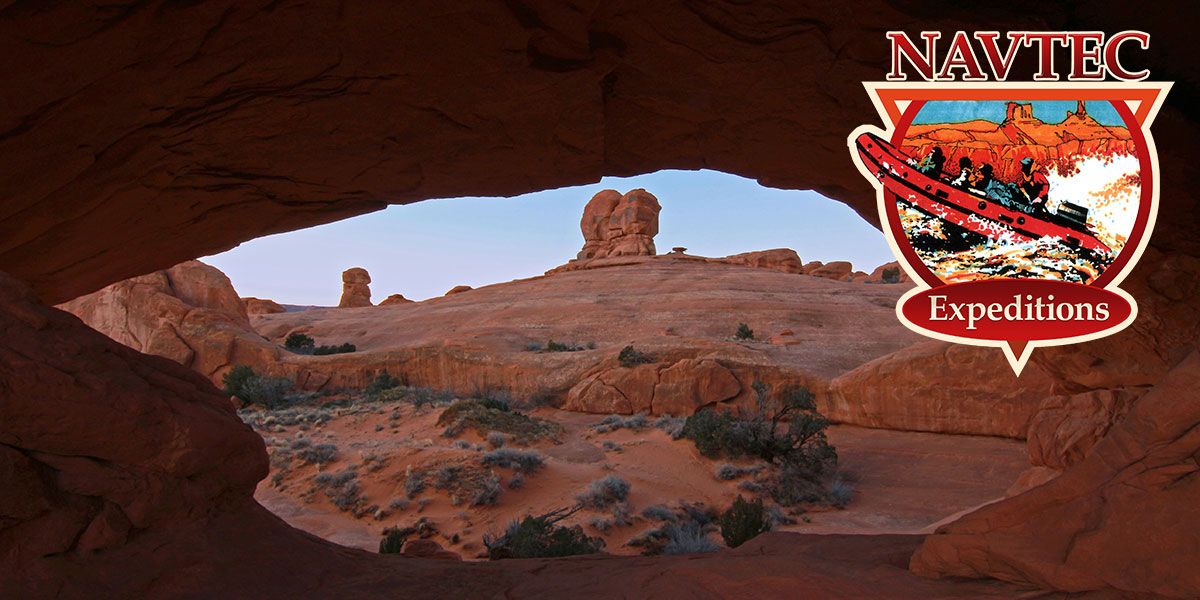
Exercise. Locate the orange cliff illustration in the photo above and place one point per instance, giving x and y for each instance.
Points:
(1057, 146)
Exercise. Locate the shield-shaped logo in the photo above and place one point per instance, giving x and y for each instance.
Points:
(1017, 208)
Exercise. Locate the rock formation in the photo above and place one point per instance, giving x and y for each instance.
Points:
(619, 225)
(251, 133)
(784, 260)
(356, 288)
(395, 299)
(261, 306)
(681, 388)
(458, 289)
(189, 313)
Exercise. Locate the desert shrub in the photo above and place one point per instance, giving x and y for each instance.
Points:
(522, 461)
(462, 444)
(800, 447)
(484, 418)
(517, 481)
(729, 472)
(533, 347)
(687, 538)
(321, 454)
(447, 477)
(659, 512)
(486, 492)
(743, 332)
(840, 493)
(496, 439)
(381, 383)
(339, 349)
(243, 382)
(553, 346)
(891, 275)
(616, 422)
(541, 537)
(394, 538)
(711, 431)
(416, 396)
(611, 446)
(604, 492)
(697, 512)
(297, 341)
(414, 483)
(341, 488)
(629, 357)
(619, 517)
(743, 521)
(672, 426)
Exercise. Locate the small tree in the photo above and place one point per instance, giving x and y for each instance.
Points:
(394, 538)
(891, 275)
(382, 382)
(744, 332)
(743, 521)
(235, 380)
(540, 537)
(298, 342)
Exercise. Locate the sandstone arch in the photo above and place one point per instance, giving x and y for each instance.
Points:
(130, 150)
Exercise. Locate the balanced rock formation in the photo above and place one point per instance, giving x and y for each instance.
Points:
(262, 306)
(838, 270)
(395, 299)
(619, 225)
(189, 313)
(356, 288)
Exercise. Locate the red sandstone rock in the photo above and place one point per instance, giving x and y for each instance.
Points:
(189, 313)
(619, 225)
(356, 288)
(1065, 428)
(395, 299)
(427, 548)
(260, 306)
(839, 270)
(102, 447)
(784, 260)
(1122, 518)
(458, 289)
(678, 389)
(888, 273)
(937, 386)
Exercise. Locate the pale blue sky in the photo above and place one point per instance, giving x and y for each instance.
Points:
(1049, 111)
(423, 249)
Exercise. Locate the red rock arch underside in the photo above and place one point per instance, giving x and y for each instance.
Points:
(139, 135)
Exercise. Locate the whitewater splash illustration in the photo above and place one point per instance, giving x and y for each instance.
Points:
(1108, 186)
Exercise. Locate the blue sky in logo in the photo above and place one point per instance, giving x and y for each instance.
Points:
(1050, 111)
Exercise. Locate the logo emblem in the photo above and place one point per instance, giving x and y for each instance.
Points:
(1017, 208)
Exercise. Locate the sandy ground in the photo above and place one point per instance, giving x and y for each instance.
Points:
(905, 482)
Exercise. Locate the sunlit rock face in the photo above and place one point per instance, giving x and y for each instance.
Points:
(619, 225)
(356, 288)
(188, 313)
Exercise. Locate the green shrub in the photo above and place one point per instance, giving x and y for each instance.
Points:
(553, 346)
(298, 342)
(800, 448)
(743, 332)
(629, 357)
(891, 275)
(541, 537)
(342, 349)
(743, 521)
(381, 383)
(687, 538)
(485, 417)
(252, 388)
(394, 538)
